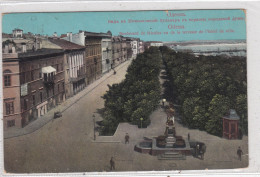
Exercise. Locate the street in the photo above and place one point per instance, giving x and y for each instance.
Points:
(67, 144)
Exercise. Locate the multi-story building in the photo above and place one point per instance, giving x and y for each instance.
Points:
(17, 33)
(78, 38)
(135, 46)
(129, 49)
(106, 44)
(117, 50)
(74, 66)
(93, 56)
(141, 47)
(11, 91)
(93, 52)
(33, 84)
(123, 49)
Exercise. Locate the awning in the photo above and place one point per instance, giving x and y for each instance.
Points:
(48, 69)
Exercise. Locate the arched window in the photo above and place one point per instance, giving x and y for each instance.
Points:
(7, 77)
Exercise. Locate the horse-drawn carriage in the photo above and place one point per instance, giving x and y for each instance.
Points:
(199, 149)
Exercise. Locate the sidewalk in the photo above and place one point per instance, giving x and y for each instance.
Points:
(41, 121)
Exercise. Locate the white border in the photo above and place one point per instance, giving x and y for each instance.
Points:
(253, 65)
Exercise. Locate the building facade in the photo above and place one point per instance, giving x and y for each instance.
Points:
(17, 33)
(135, 46)
(11, 91)
(106, 44)
(74, 66)
(33, 84)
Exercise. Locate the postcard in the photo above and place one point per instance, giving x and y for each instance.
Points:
(125, 91)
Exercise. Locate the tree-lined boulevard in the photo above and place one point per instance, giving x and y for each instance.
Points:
(67, 144)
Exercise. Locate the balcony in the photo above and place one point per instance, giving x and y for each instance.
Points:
(81, 74)
(48, 75)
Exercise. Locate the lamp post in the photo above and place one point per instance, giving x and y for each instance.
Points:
(163, 101)
(141, 119)
(94, 121)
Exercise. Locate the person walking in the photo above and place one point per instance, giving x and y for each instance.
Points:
(112, 164)
(127, 138)
(189, 136)
(239, 153)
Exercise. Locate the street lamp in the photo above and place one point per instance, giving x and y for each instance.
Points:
(94, 121)
(141, 119)
(163, 101)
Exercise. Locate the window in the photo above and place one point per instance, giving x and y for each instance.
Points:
(10, 123)
(57, 67)
(40, 75)
(45, 77)
(23, 78)
(41, 96)
(9, 106)
(33, 99)
(32, 77)
(7, 78)
(25, 104)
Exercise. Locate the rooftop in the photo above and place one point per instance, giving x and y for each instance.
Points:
(66, 45)
(231, 115)
(40, 52)
(87, 33)
(17, 29)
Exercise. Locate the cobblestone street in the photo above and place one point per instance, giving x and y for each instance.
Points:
(67, 144)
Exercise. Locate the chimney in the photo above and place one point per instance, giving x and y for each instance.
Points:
(70, 36)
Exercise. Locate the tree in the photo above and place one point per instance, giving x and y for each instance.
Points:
(241, 109)
(219, 106)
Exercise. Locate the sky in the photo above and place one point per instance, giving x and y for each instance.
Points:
(48, 23)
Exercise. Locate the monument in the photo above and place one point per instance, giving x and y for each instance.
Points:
(170, 145)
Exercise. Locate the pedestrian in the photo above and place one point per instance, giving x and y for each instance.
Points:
(189, 136)
(197, 150)
(127, 138)
(239, 153)
(112, 164)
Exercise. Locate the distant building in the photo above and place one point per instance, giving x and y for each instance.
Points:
(156, 44)
(106, 44)
(55, 34)
(135, 46)
(17, 33)
(129, 50)
(78, 38)
(141, 47)
(93, 52)
(123, 49)
(116, 50)
(93, 45)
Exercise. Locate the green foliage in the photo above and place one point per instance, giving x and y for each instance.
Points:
(135, 97)
(241, 108)
(219, 105)
(198, 82)
(192, 108)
